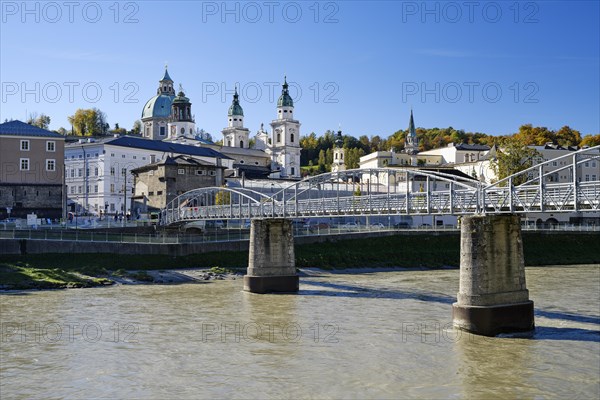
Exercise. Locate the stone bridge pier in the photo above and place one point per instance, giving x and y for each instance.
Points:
(271, 263)
(492, 297)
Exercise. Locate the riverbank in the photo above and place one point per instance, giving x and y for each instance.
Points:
(51, 271)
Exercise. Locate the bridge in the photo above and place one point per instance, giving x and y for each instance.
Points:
(492, 298)
(401, 191)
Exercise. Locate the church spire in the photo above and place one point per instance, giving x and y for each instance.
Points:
(412, 142)
(411, 125)
(165, 85)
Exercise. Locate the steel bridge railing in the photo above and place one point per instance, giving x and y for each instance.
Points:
(400, 191)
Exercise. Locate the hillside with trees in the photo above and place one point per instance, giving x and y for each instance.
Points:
(317, 152)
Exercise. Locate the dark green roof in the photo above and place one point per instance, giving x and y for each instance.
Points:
(235, 108)
(285, 100)
(180, 98)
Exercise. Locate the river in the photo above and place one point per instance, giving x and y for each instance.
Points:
(364, 335)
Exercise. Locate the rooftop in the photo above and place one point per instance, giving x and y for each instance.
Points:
(18, 128)
(166, 147)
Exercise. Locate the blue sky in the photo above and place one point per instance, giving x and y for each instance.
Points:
(487, 67)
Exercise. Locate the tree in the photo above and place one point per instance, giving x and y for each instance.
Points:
(514, 156)
(590, 140)
(88, 122)
(222, 197)
(62, 131)
(566, 136)
(137, 128)
(41, 121)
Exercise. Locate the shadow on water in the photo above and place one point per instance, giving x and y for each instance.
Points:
(541, 332)
(575, 334)
(567, 316)
(342, 290)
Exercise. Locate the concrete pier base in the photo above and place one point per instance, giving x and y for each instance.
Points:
(271, 262)
(493, 297)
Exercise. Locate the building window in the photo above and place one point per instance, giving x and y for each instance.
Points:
(123, 171)
(73, 173)
(213, 173)
(292, 138)
(112, 171)
(122, 155)
(51, 146)
(50, 165)
(181, 171)
(96, 171)
(151, 172)
(292, 170)
(24, 164)
(112, 187)
(587, 163)
(279, 138)
(242, 144)
(72, 189)
(95, 188)
(112, 154)
(112, 206)
(159, 193)
(162, 131)
(80, 172)
(24, 145)
(150, 193)
(200, 172)
(87, 172)
(587, 178)
(80, 156)
(135, 157)
(79, 189)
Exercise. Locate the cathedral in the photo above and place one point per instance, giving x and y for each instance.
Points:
(168, 117)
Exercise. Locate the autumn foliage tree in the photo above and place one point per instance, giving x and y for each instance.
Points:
(89, 122)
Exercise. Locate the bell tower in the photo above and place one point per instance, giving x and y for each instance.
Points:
(338, 154)
(182, 122)
(235, 135)
(285, 140)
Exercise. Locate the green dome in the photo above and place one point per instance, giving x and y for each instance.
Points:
(285, 100)
(235, 108)
(158, 106)
(181, 98)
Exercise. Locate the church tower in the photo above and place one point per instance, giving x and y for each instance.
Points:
(235, 135)
(285, 140)
(411, 144)
(157, 110)
(182, 122)
(338, 154)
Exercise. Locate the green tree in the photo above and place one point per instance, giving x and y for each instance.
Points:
(137, 128)
(512, 157)
(41, 121)
(222, 197)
